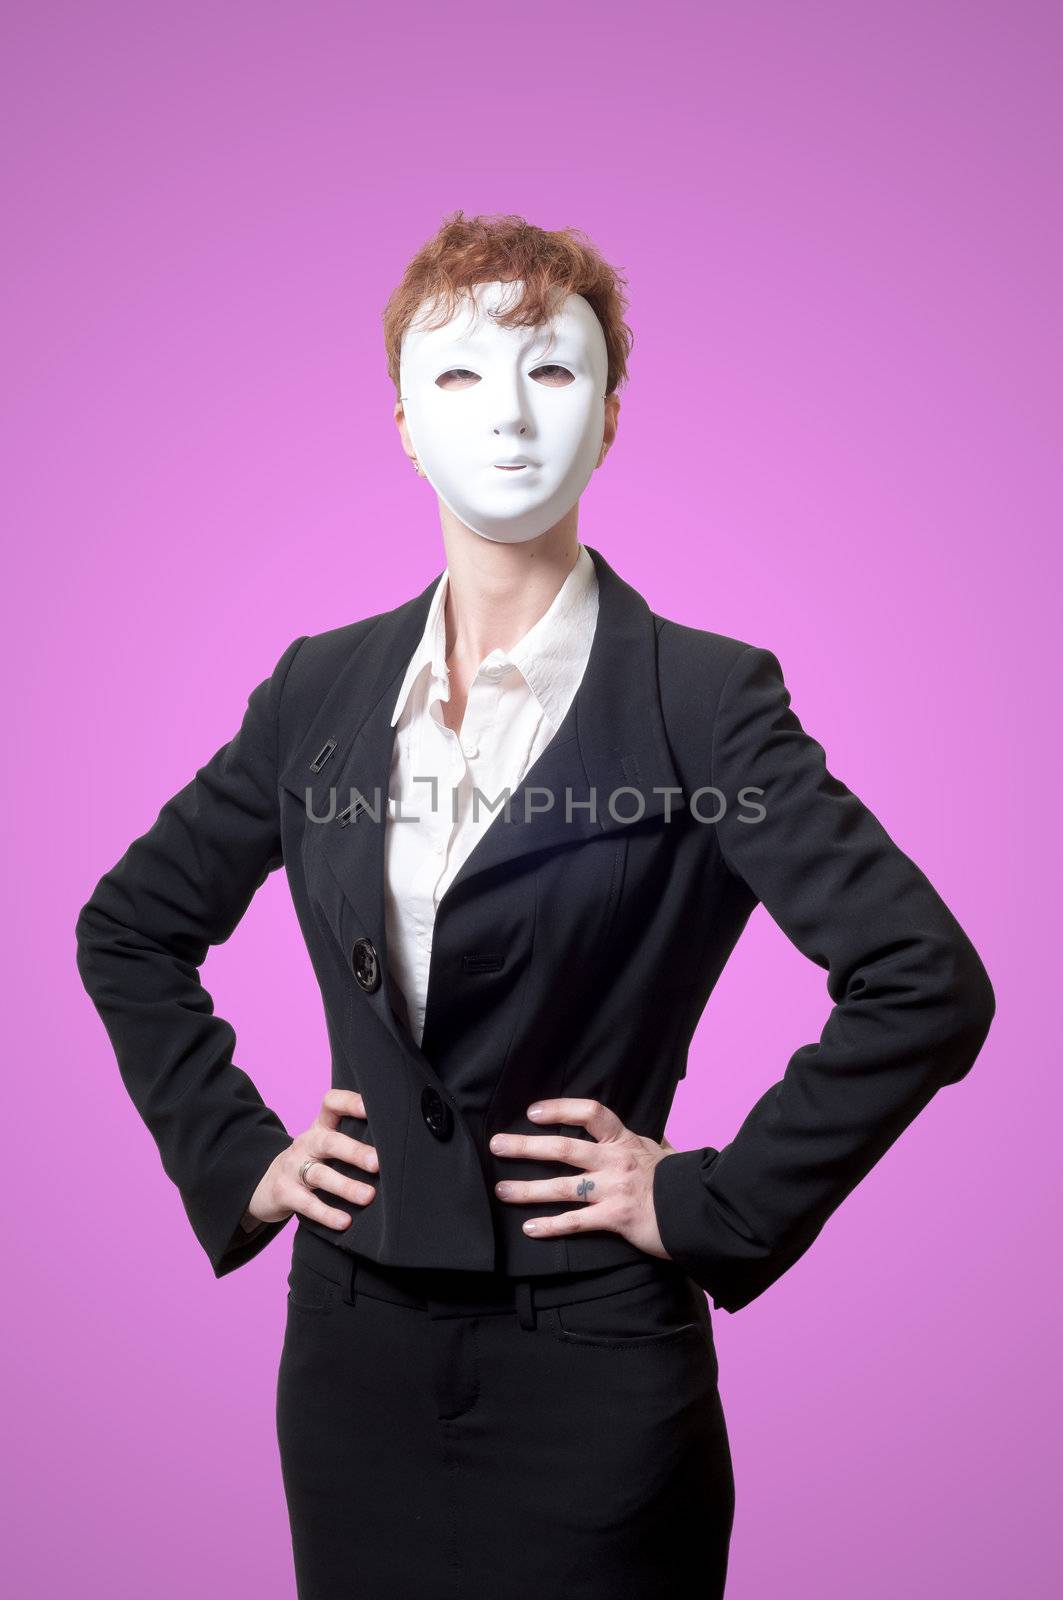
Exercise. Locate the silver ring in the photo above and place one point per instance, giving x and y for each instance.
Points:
(304, 1169)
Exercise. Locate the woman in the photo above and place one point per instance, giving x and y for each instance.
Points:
(524, 821)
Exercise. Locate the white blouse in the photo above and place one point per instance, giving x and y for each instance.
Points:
(516, 704)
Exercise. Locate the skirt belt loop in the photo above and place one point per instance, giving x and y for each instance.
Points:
(525, 1303)
(350, 1282)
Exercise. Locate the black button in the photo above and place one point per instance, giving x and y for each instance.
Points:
(437, 1114)
(365, 964)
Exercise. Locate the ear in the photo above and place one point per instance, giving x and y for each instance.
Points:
(404, 432)
(612, 414)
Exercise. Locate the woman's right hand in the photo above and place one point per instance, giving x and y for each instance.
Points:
(282, 1191)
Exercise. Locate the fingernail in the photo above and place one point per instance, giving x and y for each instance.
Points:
(531, 1227)
(503, 1188)
(536, 1111)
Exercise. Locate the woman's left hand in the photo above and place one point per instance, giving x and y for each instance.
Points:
(617, 1176)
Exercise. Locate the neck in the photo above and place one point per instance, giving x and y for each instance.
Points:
(496, 592)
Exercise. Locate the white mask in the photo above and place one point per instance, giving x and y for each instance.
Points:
(475, 395)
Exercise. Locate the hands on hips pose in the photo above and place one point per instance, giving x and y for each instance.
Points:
(617, 1167)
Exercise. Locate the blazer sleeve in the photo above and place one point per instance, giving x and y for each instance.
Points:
(142, 937)
(912, 1000)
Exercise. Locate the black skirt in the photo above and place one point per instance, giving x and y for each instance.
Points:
(449, 1435)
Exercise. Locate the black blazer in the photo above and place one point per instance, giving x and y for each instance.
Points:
(570, 957)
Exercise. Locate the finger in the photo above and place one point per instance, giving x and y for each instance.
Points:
(340, 1103)
(319, 1176)
(589, 1114)
(590, 1219)
(537, 1190)
(551, 1147)
(342, 1147)
(307, 1204)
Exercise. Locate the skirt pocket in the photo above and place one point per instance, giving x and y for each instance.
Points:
(309, 1290)
(662, 1311)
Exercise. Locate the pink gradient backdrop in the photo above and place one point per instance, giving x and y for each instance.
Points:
(841, 230)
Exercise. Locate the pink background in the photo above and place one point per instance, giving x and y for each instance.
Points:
(841, 230)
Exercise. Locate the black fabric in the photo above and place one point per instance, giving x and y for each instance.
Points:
(608, 919)
(428, 1449)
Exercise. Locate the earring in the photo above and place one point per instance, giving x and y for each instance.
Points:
(417, 467)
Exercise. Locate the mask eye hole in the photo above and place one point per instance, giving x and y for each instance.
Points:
(553, 376)
(457, 378)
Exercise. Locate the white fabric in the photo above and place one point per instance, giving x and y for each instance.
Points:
(516, 704)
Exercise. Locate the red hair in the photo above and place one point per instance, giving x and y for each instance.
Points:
(489, 249)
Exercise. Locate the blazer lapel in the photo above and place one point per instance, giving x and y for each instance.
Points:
(340, 772)
(611, 740)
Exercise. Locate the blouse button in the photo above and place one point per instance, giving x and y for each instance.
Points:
(471, 749)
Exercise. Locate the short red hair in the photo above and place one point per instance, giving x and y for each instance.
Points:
(489, 249)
